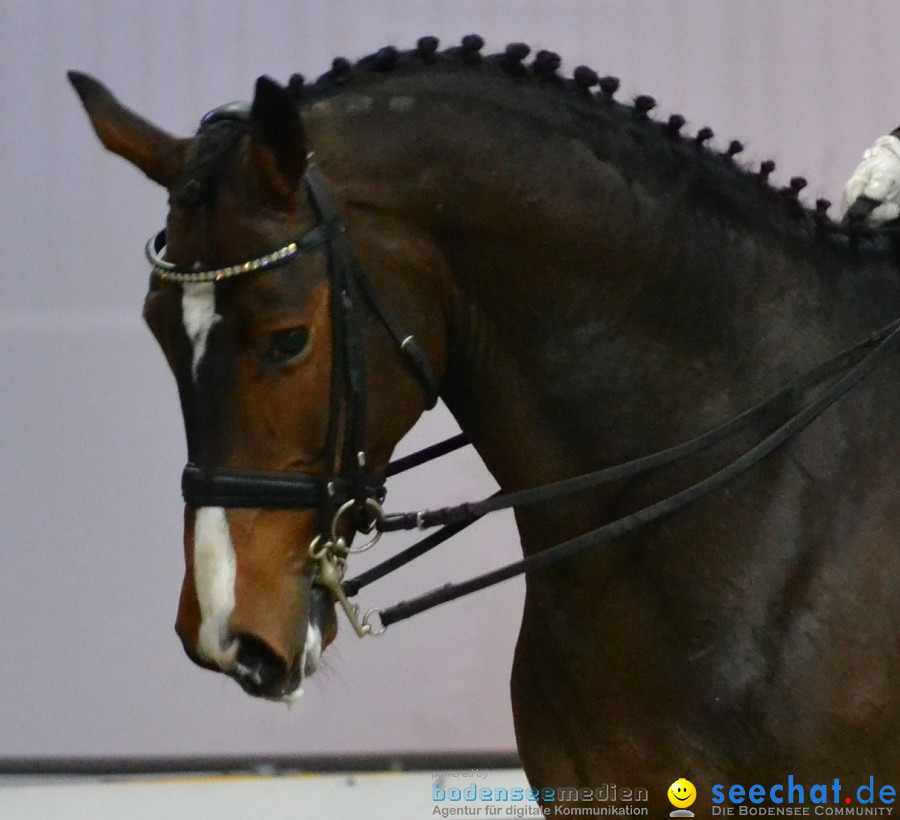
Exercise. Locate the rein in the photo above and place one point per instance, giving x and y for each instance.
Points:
(854, 363)
(354, 494)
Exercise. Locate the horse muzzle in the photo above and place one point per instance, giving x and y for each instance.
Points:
(248, 607)
(257, 667)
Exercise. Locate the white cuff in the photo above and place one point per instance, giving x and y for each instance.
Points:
(878, 177)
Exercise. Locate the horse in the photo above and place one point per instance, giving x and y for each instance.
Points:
(581, 284)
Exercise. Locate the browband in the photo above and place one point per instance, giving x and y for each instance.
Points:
(168, 272)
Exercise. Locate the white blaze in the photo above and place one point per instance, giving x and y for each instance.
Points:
(198, 313)
(215, 564)
(215, 572)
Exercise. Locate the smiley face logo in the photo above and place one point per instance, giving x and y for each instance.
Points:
(682, 793)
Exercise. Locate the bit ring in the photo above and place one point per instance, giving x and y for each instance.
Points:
(367, 624)
(371, 505)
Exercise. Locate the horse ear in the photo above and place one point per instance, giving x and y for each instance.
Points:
(277, 139)
(158, 154)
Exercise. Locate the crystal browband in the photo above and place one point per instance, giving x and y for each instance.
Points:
(168, 272)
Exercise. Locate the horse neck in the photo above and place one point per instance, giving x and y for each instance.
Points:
(592, 318)
(568, 359)
(572, 351)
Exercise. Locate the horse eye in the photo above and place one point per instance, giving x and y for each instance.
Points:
(286, 345)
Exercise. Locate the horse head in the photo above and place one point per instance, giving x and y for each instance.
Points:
(270, 364)
(589, 287)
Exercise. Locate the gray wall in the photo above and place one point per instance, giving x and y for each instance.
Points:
(90, 433)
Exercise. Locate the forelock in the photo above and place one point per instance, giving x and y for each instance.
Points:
(210, 155)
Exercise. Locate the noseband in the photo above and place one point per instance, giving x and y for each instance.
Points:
(351, 494)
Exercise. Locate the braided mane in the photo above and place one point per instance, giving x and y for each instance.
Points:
(590, 94)
(728, 184)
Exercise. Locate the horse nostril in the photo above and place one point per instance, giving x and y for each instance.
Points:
(258, 669)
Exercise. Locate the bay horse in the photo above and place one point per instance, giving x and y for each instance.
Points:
(582, 284)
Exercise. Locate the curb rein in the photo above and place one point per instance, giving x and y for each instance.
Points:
(352, 497)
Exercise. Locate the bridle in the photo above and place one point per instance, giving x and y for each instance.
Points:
(350, 499)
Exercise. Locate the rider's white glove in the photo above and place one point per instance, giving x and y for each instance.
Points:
(878, 178)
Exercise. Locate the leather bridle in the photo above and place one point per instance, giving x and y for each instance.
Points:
(349, 499)
(350, 290)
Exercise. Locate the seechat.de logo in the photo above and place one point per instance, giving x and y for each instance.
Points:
(796, 798)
